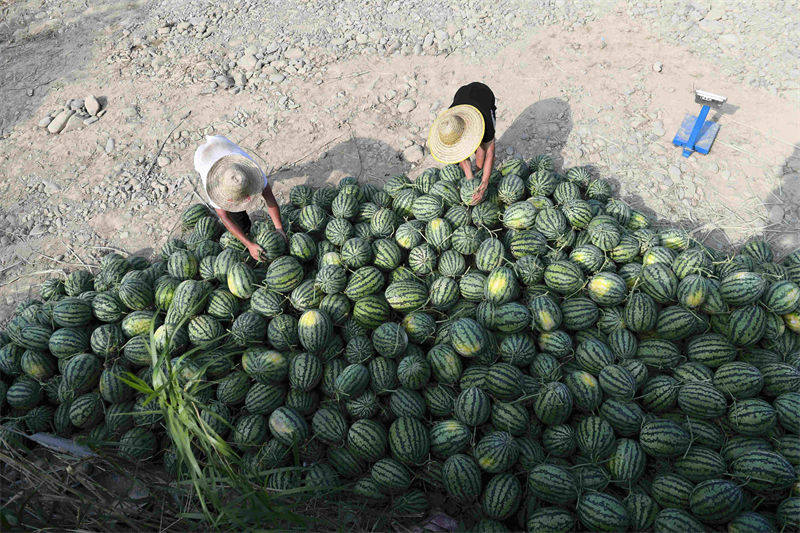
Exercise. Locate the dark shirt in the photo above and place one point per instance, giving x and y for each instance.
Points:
(480, 96)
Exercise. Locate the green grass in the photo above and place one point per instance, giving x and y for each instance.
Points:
(226, 497)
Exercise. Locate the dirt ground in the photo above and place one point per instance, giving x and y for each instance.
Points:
(591, 96)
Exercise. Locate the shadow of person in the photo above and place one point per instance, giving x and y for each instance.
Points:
(542, 128)
(782, 228)
(368, 160)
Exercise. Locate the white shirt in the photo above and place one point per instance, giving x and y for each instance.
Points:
(215, 147)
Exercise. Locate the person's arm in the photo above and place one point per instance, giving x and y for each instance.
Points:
(488, 162)
(466, 166)
(273, 210)
(254, 249)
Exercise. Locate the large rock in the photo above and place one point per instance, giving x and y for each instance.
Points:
(92, 105)
(75, 122)
(406, 105)
(248, 62)
(413, 154)
(294, 53)
(60, 121)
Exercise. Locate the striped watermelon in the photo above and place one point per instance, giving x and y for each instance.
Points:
(598, 511)
(742, 288)
(663, 438)
(287, 426)
(496, 452)
(701, 400)
(284, 274)
(552, 484)
(564, 277)
(763, 470)
(501, 496)
(367, 439)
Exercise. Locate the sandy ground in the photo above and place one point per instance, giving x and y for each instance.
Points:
(589, 97)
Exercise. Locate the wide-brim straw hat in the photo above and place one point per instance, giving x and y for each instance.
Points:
(456, 134)
(234, 183)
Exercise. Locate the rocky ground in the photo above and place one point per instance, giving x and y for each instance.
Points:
(319, 90)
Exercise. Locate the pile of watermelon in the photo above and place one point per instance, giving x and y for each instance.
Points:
(545, 360)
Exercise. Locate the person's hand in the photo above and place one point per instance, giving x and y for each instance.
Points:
(255, 251)
(479, 193)
(282, 234)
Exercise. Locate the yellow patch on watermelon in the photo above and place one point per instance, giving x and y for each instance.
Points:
(546, 321)
(452, 426)
(278, 424)
(309, 318)
(486, 462)
(466, 350)
(497, 285)
(792, 321)
(696, 298)
(275, 357)
(435, 223)
(599, 286)
(794, 294)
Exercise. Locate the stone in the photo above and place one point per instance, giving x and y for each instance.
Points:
(294, 53)
(60, 121)
(45, 121)
(277, 77)
(130, 112)
(163, 161)
(91, 120)
(711, 26)
(92, 105)
(75, 122)
(362, 38)
(224, 81)
(239, 78)
(658, 66)
(406, 105)
(50, 187)
(248, 62)
(413, 154)
(776, 213)
(674, 173)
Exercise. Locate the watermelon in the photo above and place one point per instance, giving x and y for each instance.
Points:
(598, 511)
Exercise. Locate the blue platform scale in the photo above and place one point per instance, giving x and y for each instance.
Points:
(697, 134)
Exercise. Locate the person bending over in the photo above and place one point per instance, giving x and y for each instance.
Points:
(233, 182)
(464, 129)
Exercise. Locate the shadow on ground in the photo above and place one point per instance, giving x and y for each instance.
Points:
(542, 128)
(783, 208)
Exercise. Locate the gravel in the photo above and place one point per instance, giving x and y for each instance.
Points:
(281, 39)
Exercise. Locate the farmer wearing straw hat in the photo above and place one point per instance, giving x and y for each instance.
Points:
(467, 128)
(233, 182)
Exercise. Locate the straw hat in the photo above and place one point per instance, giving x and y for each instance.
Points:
(234, 182)
(456, 134)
